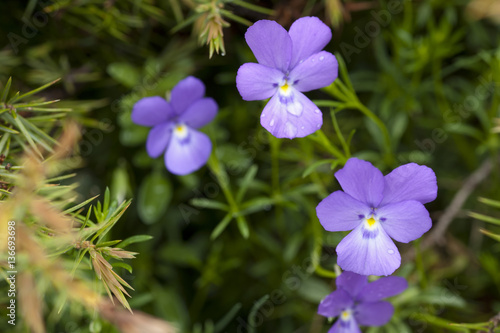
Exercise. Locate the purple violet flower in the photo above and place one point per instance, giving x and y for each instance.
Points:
(358, 302)
(378, 208)
(174, 125)
(289, 63)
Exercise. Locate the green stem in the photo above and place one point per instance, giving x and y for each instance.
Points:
(275, 171)
(223, 180)
(253, 7)
(317, 248)
(420, 264)
(329, 146)
(385, 133)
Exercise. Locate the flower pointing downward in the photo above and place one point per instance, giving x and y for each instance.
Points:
(289, 63)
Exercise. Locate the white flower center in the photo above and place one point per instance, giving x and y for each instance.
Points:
(371, 223)
(346, 315)
(285, 89)
(181, 131)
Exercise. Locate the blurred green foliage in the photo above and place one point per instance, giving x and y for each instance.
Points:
(236, 246)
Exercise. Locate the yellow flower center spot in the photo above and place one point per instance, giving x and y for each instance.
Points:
(284, 88)
(371, 221)
(181, 131)
(345, 314)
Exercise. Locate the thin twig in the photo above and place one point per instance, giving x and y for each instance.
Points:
(456, 204)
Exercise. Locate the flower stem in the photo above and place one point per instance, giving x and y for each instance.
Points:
(275, 171)
(387, 138)
(323, 139)
(420, 264)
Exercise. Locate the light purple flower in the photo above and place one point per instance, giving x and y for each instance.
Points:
(358, 302)
(378, 208)
(289, 63)
(174, 125)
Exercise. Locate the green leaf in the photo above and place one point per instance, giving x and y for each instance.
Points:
(489, 202)
(109, 243)
(134, 239)
(484, 218)
(490, 234)
(210, 204)
(310, 169)
(313, 289)
(34, 91)
(123, 265)
(72, 209)
(6, 90)
(247, 180)
(154, 197)
(243, 226)
(464, 129)
(221, 226)
(124, 73)
(8, 130)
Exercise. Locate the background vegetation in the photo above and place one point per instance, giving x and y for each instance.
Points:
(236, 246)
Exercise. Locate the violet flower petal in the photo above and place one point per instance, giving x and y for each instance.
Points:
(383, 288)
(151, 111)
(341, 212)
(199, 113)
(158, 139)
(185, 93)
(317, 71)
(257, 82)
(405, 221)
(297, 117)
(333, 304)
(309, 35)
(187, 155)
(270, 43)
(410, 182)
(375, 254)
(352, 283)
(374, 314)
(362, 181)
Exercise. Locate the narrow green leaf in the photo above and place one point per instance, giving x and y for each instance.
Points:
(123, 265)
(339, 134)
(183, 24)
(34, 91)
(235, 18)
(489, 202)
(8, 130)
(154, 197)
(344, 75)
(4, 144)
(310, 169)
(210, 204)
(28, 136)
(254, 311)
(74, 208)
(32, 104)
(255, 8)
(490, 234)
(106, 202)
(221, 226)
(134, 239)
(247, 180)
(243, 226)
(109, 243)
(484, 218)
(6, 90)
